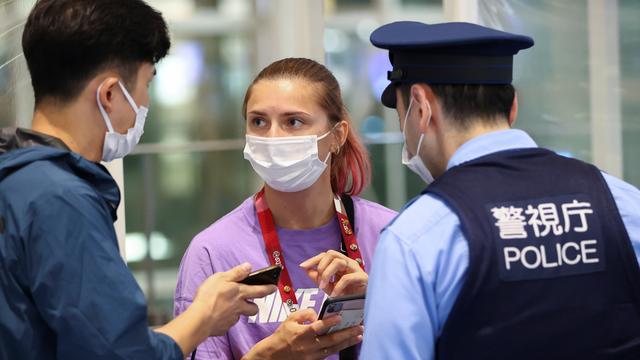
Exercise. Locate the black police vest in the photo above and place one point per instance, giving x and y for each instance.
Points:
(552, 273)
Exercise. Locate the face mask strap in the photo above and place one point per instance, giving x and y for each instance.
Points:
(105, 116)
(324, 136)
(128, 96)
(327, 158)
(406, 116)
(405, 125)
(328, 132)
(419, 144)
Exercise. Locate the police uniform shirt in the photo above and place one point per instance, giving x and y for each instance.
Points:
(421, 261)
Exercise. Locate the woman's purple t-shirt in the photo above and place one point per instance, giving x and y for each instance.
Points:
(236, 238)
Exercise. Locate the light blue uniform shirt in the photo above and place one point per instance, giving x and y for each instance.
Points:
(422, 257)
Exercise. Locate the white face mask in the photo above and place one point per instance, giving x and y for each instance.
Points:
(118, 145)
(415, 163)
(287, 164)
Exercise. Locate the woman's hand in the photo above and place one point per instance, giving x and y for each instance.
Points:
(297, 338)
(336, 274)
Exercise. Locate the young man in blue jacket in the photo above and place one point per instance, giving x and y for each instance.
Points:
(65, 292)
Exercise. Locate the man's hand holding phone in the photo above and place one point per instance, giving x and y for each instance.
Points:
(264, 276)
(218, 304)
(226, 299)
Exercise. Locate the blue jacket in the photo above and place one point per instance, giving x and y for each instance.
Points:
(65, 292)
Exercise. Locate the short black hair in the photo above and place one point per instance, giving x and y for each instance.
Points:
(465, 104)
(67, 42)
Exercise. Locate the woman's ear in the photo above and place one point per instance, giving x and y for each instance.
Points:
(341, 132)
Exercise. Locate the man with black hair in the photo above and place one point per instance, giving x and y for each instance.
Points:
(65, 292)
(511, 251)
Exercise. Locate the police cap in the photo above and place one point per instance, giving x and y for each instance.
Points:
(447, 53)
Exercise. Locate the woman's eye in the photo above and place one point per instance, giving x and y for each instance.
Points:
(295, 122)
(259, 122)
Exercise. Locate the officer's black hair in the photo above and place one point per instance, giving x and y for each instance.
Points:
(67, 42)
(465, 104)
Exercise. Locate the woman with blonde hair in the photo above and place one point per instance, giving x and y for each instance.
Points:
(307, 217)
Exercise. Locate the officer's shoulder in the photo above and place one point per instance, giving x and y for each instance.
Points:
(615, 183)
(625, 195)
(420, 217)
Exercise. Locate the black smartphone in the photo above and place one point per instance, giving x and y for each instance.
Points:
(265, 276)
(350, 308)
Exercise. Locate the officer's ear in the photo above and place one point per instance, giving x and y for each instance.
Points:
(513, 114)
(427, 106)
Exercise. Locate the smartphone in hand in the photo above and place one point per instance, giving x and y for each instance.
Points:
(350, 308)
(264, 276)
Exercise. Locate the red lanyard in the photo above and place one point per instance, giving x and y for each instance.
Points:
(276, 255)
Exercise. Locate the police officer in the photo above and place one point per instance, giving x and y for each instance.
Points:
(512, 252)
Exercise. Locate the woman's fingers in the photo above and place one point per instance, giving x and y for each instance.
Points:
(312, 261)
(337, 266)
(328, 268)
(356, 281)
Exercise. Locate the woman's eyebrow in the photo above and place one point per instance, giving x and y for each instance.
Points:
(288, 113)
(291, 113)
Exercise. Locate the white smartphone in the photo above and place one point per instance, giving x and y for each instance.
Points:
(350, 308)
